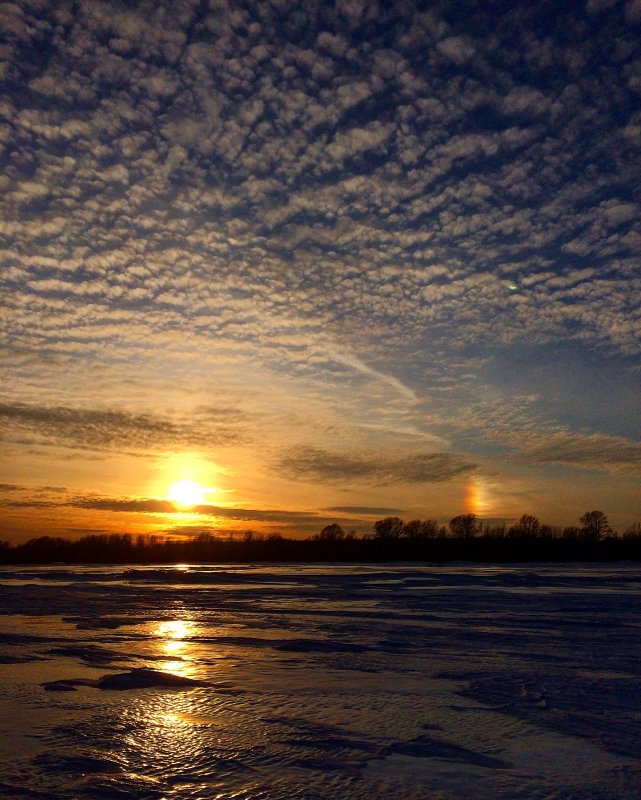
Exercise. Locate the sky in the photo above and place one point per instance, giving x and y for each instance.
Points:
(327, 261)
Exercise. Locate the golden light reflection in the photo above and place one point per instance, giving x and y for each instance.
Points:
(170, 718)
(175, 646)
(174, 629)
(165, 732)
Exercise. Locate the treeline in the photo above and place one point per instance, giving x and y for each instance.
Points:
(465, 539)
(593, 526)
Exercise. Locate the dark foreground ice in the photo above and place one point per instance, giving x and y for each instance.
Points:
(321, 682)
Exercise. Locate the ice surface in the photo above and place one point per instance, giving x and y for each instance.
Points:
(314, 682)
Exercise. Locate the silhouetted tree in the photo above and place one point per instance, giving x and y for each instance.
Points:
(526, 526)
(633, 532)
(493, 531)
(331, 533)
(429, 529)
(595, 526)
(463, 526)
(411, 528)
(388, 528)
(205, 547)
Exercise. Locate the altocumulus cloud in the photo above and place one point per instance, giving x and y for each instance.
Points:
(608, 453)
(155, 506)
(364, 202)
(371, 468)
(367, 510)
(260, 176)
(279, 519)
(109, 428)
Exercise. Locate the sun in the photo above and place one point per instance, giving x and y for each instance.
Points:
(186, 494)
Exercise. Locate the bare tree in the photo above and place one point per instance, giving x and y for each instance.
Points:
(633, 531)
(429, 529)
(412, 528)
(331, 533)
(526, 526)
(389, 528)
(594, 526)
(464, 526)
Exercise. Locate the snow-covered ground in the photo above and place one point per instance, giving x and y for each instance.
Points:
(321, 682)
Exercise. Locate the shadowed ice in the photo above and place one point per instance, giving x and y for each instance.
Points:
(321, 682)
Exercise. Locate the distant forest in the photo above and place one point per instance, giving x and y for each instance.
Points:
(466, 538)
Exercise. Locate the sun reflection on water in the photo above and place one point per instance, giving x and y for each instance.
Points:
(166, 735)
(175, 629)
(175, 646)
(166, 739)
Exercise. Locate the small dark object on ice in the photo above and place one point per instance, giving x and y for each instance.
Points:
(60, 686)
(142, 678)
(139, 678)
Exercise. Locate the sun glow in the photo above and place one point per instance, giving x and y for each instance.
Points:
(186, 494)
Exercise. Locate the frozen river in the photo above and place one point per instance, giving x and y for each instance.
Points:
(321, 682)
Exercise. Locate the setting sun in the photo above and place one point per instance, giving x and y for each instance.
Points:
(186, 493)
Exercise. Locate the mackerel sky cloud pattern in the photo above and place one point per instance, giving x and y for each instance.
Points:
(390, 244)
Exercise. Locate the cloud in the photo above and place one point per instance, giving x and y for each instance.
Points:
(191, 531)
(116, 429)
(89, 531)
(125, 505)
(352, 361)
(525, 100)
(457, 48)
(588, 451)
(633, 11)
(291, 210)
(156, 506)
(282, 520)
(595, 6)
(28, 503)
(367, 510)
(311, 463)
(38, 490)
